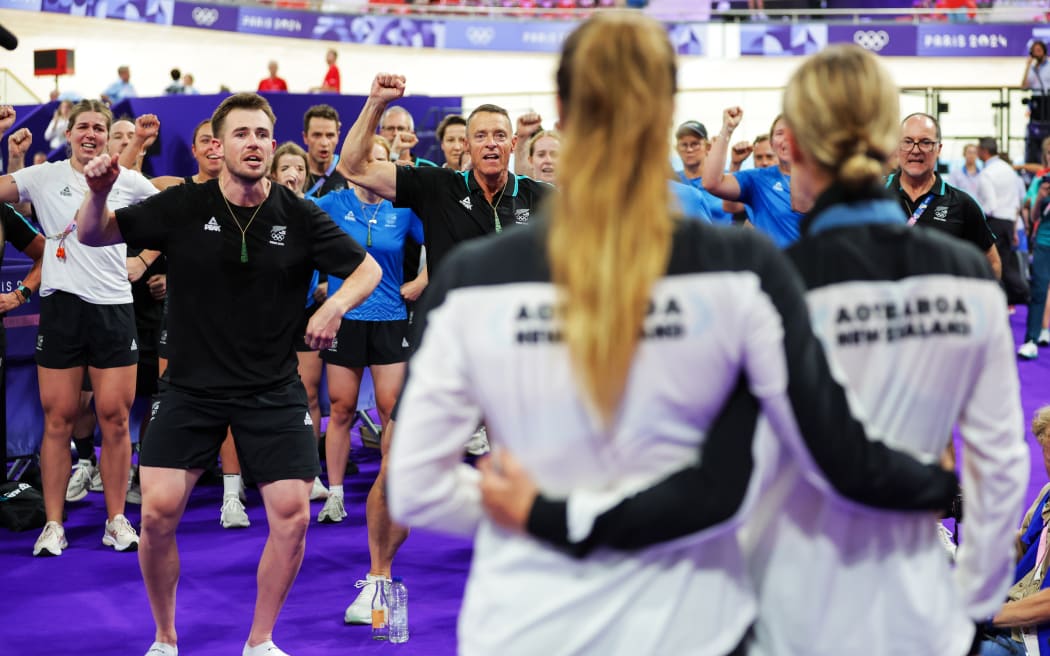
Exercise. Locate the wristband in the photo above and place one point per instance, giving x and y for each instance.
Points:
(24, 291)
(143, 260)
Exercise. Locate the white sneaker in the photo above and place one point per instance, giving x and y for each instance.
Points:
(265, 649)
(360, 612)
(333, 512)
(318, 491)
(233, 515)
(96, 480)
(1028, 351)
(1044, 338)
(947, 541)
(80, 481)
(120, 535)
(162, 649)
(52, 540)
(478, 445)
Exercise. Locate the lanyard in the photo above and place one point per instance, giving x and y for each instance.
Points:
(324, 178)
(61, 238)
(920, 209)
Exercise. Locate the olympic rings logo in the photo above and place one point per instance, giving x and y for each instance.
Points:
(480, 36)
(205, 16)
(871, 39)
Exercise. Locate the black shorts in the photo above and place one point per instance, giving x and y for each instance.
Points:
(364, 343)
(272, 431)
(74, 333)
(300, 335)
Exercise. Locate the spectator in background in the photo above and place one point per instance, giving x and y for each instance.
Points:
(927, 199)
(762, 156)
(528, 125)
(399, 128)
(776, 209)
(175, 88)
(999, 194)
(965, 177)
(39, 157)
(289, 169)
(452, 135)
(187, 85)
(1037, 78)
(56, 129)
(692, 147)
(330, 84)
(273, 83)
(1038, 228)
(321, 135)
(1022, 625)
(544, 149)
(120, 89)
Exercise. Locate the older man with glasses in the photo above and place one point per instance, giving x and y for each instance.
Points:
(927, 199)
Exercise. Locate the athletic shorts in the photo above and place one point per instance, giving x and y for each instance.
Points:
(364, 343)
(74, 333)
(272, 431)
(300, 335)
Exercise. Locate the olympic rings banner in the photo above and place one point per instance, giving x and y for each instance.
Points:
(934, 39)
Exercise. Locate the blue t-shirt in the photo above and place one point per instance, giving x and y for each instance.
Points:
(690, 201)
(388, 226)
(768, 192)
(714, 203)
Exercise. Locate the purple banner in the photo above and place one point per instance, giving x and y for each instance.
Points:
(687, 38)
(953, 40)
(783, 39)
(276, 22)
(138, 11)
(208, 17)
(24, 5)
(383, 31)
(889, 40)
(530, 36)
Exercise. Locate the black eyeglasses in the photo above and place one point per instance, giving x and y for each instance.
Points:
(926, 145)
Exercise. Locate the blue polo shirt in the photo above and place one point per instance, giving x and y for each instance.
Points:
(767, 192)
(690, 201)
(387, 226)
(713, 203)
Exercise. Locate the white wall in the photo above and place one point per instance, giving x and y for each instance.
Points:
(517, 81)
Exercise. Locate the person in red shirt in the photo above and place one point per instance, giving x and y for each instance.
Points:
(273, 83)
(331, 78)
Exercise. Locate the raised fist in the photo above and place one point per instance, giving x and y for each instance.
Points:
(731, 118)
(147, 127)
(7, 118)
(528, 124)
(741, 150)
(100, 173)
(387, 87)
(19, 142)
(404, 142)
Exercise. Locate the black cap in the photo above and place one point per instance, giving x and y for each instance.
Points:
(691, 127)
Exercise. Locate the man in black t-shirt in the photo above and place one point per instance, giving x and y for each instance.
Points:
(455, 206)
(927, 200)
(14, 228)
(241, 252)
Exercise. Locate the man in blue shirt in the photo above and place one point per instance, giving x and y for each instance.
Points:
(120, 89)
(692, 146)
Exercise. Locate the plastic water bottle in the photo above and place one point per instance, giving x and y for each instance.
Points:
(398, 611)
(380, 628)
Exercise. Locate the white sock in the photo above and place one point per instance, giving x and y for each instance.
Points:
(231, 485)
(162, 649)
(84, 462)
(265, 649)
(335, 491)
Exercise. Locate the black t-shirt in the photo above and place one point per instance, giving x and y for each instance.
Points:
(453, 207)
(16, 229)
(332, 182)
(949, 210)
(232, 325)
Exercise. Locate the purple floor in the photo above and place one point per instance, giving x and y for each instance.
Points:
(91, 600)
